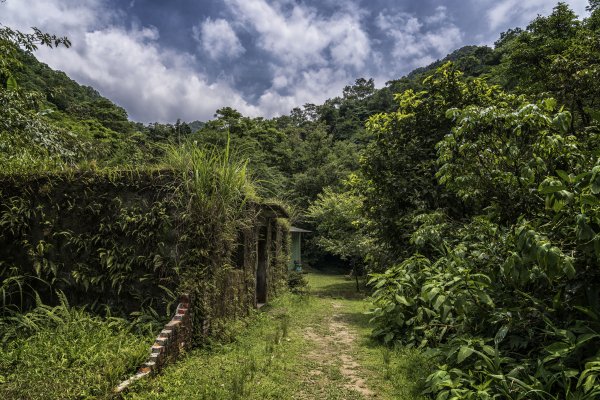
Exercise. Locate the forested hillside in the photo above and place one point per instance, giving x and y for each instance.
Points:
(481, 191)
(468, 191)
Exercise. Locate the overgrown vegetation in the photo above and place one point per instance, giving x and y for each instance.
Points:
(65, 352)
(488, 199)
(469, 189)
(273, 356)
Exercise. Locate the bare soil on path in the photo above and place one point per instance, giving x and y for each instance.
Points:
(333, 362)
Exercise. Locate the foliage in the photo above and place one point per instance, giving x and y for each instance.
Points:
(337, 218)
(398, 166)
(297, 283)
(64, 352)
(472, 194)
(131, 239)
(497, 257)
(216, 182)
(103, 238)
(11, 40)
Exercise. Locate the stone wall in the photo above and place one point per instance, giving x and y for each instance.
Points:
(129, 240)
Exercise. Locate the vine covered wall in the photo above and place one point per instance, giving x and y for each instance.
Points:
(132, 241)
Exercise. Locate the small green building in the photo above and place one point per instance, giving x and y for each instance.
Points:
(296, 253)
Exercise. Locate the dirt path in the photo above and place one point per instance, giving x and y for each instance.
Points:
(314, 347)
(334, 368)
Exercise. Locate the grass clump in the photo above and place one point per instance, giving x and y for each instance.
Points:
(64, 352)
(214, 178)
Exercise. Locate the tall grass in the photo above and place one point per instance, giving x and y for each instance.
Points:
(63, 352)
(217, 180)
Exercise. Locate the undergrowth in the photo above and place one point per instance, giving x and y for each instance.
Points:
(252, 363)
(64, 352)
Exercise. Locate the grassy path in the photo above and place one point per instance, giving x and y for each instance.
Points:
(299, 347)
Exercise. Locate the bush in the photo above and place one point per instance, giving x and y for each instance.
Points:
(297, 283)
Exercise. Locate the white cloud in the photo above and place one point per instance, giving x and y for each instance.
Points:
(351, 44)
(126, 65)
(218, 39)
(313, 85)
(521, 12)
(440, 15)
(58, 17)
(155, 84)
(302, 36)
(312, 56)
(419, 41)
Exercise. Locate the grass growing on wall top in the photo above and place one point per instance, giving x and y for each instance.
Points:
(216, 179)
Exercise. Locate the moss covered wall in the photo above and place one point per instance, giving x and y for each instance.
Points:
(128, 240)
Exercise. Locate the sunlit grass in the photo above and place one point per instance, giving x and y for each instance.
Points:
(270, 358)
(64, 352)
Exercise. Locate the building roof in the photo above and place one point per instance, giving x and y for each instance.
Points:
(273, 209)
(300, 230)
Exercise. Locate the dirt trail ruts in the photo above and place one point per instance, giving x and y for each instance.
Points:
(335, 348)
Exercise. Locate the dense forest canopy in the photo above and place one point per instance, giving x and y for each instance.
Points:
(468, 189)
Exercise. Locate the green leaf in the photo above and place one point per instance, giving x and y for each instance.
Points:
(564, 176)
(439, 301)
(587, 312)
(589, 383)
(388, 337)
(558, 348)
(11, 83)
(485, 299)
(463, 353)
(549, 104)
(568, 268)
(402, 300)
(501, 334)
(589, 200)
(550, 187)
(582, 339)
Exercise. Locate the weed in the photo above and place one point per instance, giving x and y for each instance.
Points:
(64, 352)
(387, 358)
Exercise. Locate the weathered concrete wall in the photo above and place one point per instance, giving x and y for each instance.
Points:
(238, 290)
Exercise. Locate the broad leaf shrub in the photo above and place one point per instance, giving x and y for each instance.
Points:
(505, 292)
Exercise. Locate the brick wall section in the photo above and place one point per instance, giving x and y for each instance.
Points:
(175, 337)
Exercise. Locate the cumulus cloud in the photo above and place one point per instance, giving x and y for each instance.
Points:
(218, 39)
(59, 17)
(155, 84)
(419, 41)
(127, 65)
(520, 12)
(304, 37)
(312, 56)
(313, 85)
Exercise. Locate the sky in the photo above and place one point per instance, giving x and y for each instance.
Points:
(163, 60)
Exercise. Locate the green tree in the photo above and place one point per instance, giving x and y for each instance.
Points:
(399, 164)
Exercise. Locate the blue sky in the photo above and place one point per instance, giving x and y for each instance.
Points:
(163, 60)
